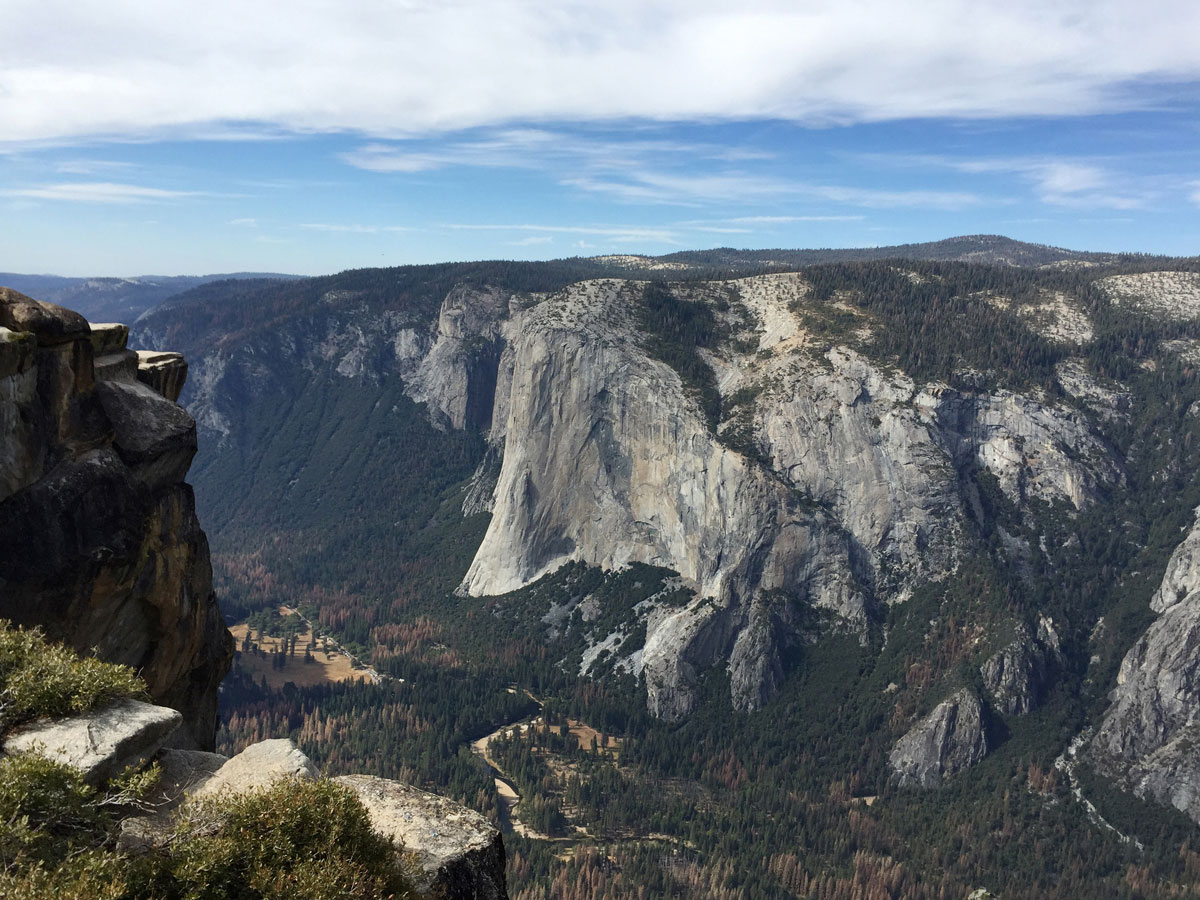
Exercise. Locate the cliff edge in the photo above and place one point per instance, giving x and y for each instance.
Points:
(99, 541)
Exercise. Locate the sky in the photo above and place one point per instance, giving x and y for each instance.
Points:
(159, 137)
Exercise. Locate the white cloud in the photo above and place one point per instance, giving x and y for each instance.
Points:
(99, 192)
(227, 69)
(244, 223)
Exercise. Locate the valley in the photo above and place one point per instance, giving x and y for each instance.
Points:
(763, 526)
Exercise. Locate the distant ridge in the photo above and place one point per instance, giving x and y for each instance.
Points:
(110, 299)
(982, 248)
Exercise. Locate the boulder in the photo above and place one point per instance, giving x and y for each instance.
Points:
(257, 767)
(459, 852)
(51, 323)
(948, 740)
(165, 373)
(101, 743)
(155, 437)
(109, 337)
(181, 772)
(118, 365)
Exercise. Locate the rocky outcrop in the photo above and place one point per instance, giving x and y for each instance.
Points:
(101, 743)
(947, 741)
(99, 542)
(1017, 676)
(1148, 737)
(458, 852)
(257, 767)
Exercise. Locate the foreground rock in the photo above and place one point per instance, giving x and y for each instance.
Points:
(1147, 739)
(944, 743)
(99, 542)
(459, 853)
(257, 767)
(101, 743)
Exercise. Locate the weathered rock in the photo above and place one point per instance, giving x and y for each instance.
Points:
(100, 743)
(154, 437)
(459, 852)
(457, 379)
(180, 773)
(99, 543)
(1148, 737)
(109, 337)
(16, 352)
(1017, 676)
(119, 365)
(947, 741)
(257, 767)
(50, 323)
(164, 373)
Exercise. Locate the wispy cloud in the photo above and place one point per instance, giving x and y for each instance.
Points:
(244, 223)
(100, 192)
(386, 69)
(352, 228)
(92, 166)
(694, 190)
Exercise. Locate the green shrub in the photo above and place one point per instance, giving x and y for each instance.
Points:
(38, 678)
(310, 839)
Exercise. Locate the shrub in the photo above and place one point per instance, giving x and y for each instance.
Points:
(38, 678)
(310, 839)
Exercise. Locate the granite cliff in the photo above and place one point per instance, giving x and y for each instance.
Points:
(99, 541)
(829, 481)
(1146, 740)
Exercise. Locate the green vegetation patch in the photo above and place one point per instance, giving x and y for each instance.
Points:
(38, 678)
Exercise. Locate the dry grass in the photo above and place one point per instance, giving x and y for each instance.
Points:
(325, 668)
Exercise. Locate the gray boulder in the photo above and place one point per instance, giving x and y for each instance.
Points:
(459, 852)
(163, 372)
(101, 743)
(51, 323)
(154, 437)
(948, 740)
(257, 767)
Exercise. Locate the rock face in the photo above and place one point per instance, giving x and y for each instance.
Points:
(99, 542)
(1017, 675)
(607, 459)
(945, 742)
(1147, 739)
(101, 743)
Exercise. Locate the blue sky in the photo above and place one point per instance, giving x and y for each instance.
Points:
(316, 136)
